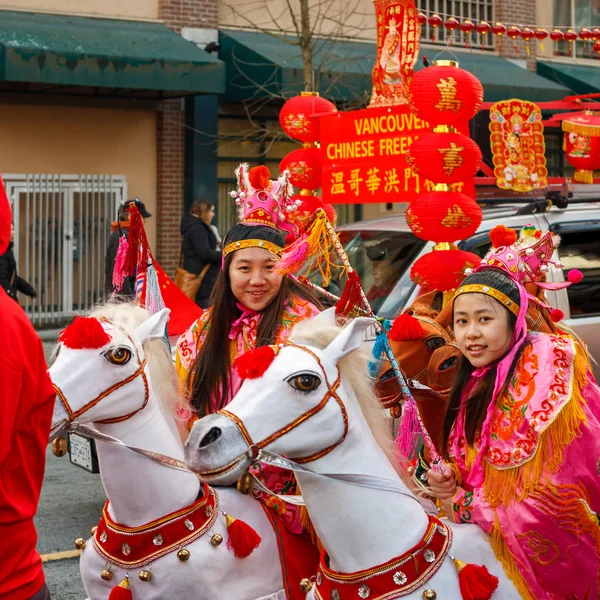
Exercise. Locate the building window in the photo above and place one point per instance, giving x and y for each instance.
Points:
(475, 10)
(576, 14)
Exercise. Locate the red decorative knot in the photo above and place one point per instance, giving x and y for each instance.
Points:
(84, 333)
(254, 363)
(406, 328)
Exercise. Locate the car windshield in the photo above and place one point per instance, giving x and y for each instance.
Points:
(382, 260)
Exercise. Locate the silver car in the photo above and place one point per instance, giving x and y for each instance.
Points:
(383, 250)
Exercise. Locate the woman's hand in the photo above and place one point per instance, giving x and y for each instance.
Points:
(442, 485)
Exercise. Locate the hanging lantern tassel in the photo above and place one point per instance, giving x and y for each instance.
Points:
(122, 591)
(467, 27)
(499, 29)
(513, 33)
(476, 582)
(527, 35)
(451, 25)
(540, 35)
(556, 35)
(243, 540)
(350, 301)
(483, 28)
(571, 37)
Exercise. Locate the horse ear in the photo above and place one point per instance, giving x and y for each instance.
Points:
(350, 339)
(326, 317)
(153, 327)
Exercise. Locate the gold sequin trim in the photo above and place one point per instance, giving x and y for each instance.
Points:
(270, 246)
(490, 291)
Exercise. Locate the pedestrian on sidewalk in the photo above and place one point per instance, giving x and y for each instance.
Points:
(9, 279)
(26, 404)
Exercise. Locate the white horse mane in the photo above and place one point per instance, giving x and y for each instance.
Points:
(354, 369)
(162, 373)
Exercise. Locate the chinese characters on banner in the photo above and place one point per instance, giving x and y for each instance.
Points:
(363, 156)
(517, 142)
(398, 35)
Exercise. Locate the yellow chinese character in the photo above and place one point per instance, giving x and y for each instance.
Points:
(373, 181)
(448, 100)
(337, 183)
(452, 158)
(411, 36)
(506, 110)
(391, 181)
(355, 180)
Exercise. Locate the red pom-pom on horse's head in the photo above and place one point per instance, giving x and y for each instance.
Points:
(254, 363)
(84, 333)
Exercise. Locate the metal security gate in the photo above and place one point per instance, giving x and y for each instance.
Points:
(62, 225)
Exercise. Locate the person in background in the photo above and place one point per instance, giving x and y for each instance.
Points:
(119, 228)
(9, 279)
(200, 246)
(26, 404)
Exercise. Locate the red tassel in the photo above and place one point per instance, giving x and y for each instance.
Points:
(351, 298)
(406, 328)
(502, 236)
(259, 177)
(476, 582)
(138, 252)
(243, 540)
(84, 332)
(122, 591)
(254, 363)
(557, 315)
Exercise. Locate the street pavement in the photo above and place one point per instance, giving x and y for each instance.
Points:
(70, 505)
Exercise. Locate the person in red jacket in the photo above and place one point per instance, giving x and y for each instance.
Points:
(26, 404)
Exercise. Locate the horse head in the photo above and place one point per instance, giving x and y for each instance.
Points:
(428, 358)
(111, 348)
(296, 400)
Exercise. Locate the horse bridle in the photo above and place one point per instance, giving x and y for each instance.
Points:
(255, 447)
(140, 372)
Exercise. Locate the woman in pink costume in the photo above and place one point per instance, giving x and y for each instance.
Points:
(522, 432)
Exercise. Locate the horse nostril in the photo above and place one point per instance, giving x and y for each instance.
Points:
(448, 363)
(212, 436)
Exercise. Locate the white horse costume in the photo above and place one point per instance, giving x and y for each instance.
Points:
(380, 543)
(122, 384)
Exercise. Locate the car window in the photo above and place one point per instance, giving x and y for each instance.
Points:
(581, 250)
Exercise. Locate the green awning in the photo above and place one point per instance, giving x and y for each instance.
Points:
(45, 51)
(260, 65)
(581, 79)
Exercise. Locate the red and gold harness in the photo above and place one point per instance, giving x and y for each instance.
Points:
(393, 579)
(133, 547)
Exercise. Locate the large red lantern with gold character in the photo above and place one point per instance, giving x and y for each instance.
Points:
(304, 166)
(445, 157)
(443, 269)
(443, 216)
(299, 116)
(445, 94)
(582, 143)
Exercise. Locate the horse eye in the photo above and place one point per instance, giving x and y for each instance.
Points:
(435, 343)
(306, 382)
(118, 356)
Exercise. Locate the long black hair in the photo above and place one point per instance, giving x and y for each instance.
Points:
(481, 396)
(212, 365)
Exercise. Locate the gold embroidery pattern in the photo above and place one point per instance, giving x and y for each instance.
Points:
(270, 246)
(490, 291)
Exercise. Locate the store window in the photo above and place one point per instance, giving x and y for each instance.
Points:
(576, 14)
(475, 10)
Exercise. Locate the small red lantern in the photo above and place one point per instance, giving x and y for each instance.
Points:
(451, 25)
(582, 144)
(556, 35)
(443, 216)
(586, 35)
(444, 157)
(570, 36)
(443, 270)
(467, 27)
(499, 29)
(299, 116)
(514, 32)
(596, 34)
(483, 28)
(422, 18)
(445, 94)
(527, 35)
(304, 166)
(434, 22)
(540, 35)
(597, 47)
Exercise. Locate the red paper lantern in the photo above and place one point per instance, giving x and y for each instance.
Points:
(582, 144)
(299, 116)
(514, 32)
(570, 36)
(443, 269)
(540, 35)
(444, 157)
(467, 28)
(434, 22)
(422, 18)
(596, 34)
(499, 29)
(527, 35)
(445, 94)
(556, 35)
(586, 35)
(304, 166)
(451, 25)
(443, 216)
(483, 28)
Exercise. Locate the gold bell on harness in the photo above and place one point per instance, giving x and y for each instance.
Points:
(183, 555)
(59, 447)
(145, 575)
(106, 574)
(306, 585)
(80, 543)
(245, 483)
